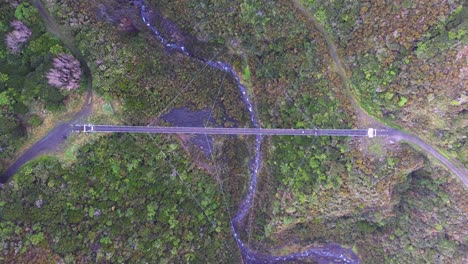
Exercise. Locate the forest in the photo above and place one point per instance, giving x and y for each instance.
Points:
(158, 199)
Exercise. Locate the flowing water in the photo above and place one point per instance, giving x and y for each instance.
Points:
(330, 253)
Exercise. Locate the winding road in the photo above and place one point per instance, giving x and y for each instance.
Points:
(398, 135)
(459, 171)
(50, 142)
(60, 132)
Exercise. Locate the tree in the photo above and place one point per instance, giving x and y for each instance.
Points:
(11, 132)
(18, 36)
(66, 72)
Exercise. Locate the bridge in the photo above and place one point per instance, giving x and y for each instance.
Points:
(370, 132)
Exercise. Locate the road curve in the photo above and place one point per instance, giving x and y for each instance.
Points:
(60, 132)
(50, 142)
(226, 131)
(460, 172)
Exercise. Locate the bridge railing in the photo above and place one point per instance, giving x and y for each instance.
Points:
(89, 128)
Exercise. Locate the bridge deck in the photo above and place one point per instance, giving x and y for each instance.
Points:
(226, 131)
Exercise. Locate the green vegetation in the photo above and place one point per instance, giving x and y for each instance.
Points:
(423, 195)
(24, 11)
(22, 79)
(392, 77)
(126, 199)
(337, 17)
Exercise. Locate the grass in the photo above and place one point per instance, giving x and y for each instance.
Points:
(104, 112)
(376, 148)
(73, 144)
(49, 120)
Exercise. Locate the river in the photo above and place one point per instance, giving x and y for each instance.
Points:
(331, 253)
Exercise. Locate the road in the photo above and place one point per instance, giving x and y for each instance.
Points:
(50, 142)
(460, 172)
(229, 131)
(60, 132)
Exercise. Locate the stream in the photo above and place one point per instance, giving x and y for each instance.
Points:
(328, 253)
(331, 253)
